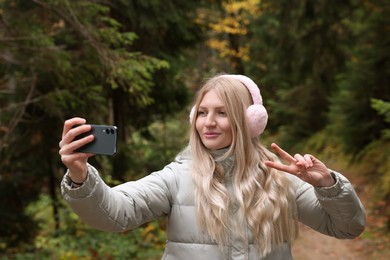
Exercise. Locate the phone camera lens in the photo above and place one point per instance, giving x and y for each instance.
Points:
(112, 131)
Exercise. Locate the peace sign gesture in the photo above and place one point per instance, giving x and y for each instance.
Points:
(306, 167)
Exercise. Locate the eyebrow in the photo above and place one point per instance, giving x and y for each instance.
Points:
(219, 107)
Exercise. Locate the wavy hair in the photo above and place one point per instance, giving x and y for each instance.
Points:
(263, 196)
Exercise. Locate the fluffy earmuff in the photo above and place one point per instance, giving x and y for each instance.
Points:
(256, 114)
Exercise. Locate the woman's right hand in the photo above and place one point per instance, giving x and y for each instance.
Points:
(74, 161)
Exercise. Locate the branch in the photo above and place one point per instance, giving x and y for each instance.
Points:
(18, 115)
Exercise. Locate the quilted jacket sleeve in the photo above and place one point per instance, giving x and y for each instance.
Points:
(335, 211)
(120, 208)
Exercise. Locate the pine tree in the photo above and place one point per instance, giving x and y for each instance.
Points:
(367, 76)
(296, 54)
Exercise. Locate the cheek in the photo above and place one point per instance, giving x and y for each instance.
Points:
(225, 125)
(198, 125)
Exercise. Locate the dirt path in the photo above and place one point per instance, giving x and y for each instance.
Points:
(313, 245)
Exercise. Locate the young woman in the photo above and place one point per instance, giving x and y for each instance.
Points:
(226, 196)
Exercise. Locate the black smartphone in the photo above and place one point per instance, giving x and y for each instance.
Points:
(104, 142)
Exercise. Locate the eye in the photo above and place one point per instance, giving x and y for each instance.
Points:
(202, 113)
(222, 113)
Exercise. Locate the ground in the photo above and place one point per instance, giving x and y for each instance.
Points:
(313, 245)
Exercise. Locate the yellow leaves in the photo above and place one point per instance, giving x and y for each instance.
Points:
(58, 25)
(229, 28)
(224, 51)
(152, 233)
(250, 6)
(231, 25)
(71, 256)
(235, 17)
(221, 46)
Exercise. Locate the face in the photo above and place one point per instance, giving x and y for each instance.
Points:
(212, 123)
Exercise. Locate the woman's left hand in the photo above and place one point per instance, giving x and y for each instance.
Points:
(306, 167)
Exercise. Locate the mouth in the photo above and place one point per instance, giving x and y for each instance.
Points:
(211, 135)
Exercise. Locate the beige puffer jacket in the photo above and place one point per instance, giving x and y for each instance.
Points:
(335, 211)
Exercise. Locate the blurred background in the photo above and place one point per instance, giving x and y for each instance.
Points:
(322, 67)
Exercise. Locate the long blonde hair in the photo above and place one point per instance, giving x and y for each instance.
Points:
(264, 196)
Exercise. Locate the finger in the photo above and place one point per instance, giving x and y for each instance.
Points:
(76, 144)
(309, 159)
(70, 123)
(89, 155)
(300, 168)
(299, 158)
(278, 166)
(283, 154)
(70, 148)
(73, 133)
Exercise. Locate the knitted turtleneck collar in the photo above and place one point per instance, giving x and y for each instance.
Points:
(219, 152)
(218, 157)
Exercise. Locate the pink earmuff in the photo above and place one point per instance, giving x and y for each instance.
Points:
(256, 114)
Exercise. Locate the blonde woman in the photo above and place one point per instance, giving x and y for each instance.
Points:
(226, 196)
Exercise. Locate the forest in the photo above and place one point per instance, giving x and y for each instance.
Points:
(322, 66)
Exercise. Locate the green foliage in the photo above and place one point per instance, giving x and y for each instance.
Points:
(383, 108)
(377, 151)
(296, 54)
(59, 59)
(379, 167)
(145, 154)
(366, 77)
(167, 27)
(75, 240)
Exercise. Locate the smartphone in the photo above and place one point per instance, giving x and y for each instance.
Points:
(104, 142)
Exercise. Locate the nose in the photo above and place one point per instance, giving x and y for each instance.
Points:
(210, 120)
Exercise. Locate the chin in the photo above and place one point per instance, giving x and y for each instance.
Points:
(215, 147)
